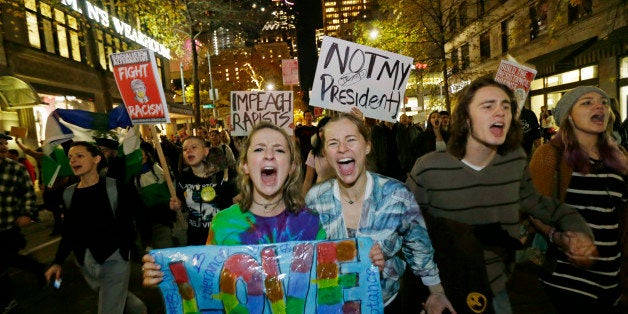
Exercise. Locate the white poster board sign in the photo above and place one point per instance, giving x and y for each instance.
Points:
(353, 75)
(250, 107)
(517, 77)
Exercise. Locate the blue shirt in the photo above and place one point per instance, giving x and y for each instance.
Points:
(391, 217)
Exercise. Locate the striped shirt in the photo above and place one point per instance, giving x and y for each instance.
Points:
(595, 196)
(446, 187)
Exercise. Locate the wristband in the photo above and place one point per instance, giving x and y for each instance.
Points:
(550, 235)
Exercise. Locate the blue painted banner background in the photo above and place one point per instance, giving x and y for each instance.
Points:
(293, 277)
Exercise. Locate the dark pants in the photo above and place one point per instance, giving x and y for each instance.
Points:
(566, 302)
(11, 241)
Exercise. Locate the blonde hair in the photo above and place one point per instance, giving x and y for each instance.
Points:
(292, 196)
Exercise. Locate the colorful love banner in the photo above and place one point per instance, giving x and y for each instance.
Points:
(292, 277)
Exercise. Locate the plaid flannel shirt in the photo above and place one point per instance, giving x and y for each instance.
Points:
(17, 193)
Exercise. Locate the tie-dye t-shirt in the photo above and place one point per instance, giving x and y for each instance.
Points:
(234, 227)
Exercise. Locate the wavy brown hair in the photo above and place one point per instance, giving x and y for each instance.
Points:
(292, 196)
(460, 124)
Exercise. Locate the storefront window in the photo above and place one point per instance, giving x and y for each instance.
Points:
(623, 101)
(536, 84)
(588, 73)
(536, 102)
(552, 100)
(623, 67)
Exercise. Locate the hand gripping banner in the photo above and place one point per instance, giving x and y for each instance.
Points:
(292, 277)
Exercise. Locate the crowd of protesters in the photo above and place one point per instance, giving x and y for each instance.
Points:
(446, 202)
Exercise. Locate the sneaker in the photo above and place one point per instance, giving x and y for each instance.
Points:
(9, 307)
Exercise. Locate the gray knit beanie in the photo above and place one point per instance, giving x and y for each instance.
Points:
(569, 98)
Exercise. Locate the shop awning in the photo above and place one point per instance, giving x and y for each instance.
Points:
(614, 44)
(16, 94)
(560, 60)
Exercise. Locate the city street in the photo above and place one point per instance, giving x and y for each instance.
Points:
(76, 297)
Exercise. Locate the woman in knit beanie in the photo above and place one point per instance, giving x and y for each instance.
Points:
(584, 167)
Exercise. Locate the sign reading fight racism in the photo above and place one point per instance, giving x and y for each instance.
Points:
(138, 82)
(517, 77)
(352, 75)
(250, 107)
(292, 277)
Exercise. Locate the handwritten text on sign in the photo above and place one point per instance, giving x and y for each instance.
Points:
(517, 77)
(292, 277)
(352, 75)
(250, 107)
(138, 82)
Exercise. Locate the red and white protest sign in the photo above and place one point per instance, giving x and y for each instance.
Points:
(517, 77)
(290, 71)
(138, 82)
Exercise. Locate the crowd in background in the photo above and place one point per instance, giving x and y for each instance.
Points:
(459, 187)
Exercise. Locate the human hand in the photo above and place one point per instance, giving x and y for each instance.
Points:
(23, 221)
(377, 256)
(175, 203)
(151, 273)
(357, 112)
(53, 273)
(437, 303)
(580, 248)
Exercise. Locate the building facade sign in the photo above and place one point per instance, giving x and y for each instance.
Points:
(101, 17)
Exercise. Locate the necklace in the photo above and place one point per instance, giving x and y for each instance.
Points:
(266, 210)
(348, 201)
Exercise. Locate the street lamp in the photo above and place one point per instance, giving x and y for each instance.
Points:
(373, 34)
(270, 86)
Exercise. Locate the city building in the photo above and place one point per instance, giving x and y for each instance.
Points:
(236, 66)
(337, 13)
(569, 45)
(57, 56)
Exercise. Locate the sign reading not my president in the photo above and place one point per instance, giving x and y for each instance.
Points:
(250, 107)
(353, 75)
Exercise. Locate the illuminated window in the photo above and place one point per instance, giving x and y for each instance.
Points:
(33, 30)
(62, 36)
(74, 38)
(536, 84)
(623, 67)
(102, 57)
(589, 72)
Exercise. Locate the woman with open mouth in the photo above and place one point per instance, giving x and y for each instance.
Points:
(271, 208)
(201, 190)
(358, 202)
(585, 168)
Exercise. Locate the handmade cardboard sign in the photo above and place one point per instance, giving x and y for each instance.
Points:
(292, 277)
(250, 107)
(352, 75)
(517, 77)
(138, 81)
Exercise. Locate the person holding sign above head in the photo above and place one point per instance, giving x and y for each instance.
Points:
(358, 202)
(271, 209)
(200, 187)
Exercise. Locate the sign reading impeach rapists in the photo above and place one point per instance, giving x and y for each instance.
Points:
(352, 75)
(138, 81)
(292, 277)
(250, 107)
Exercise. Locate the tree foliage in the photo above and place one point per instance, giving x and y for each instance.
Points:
(174, 21)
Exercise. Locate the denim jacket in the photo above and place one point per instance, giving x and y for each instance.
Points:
(392, 218)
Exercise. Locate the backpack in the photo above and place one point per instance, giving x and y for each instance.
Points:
(112, 194)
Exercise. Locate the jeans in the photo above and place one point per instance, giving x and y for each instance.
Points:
(111, 280)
